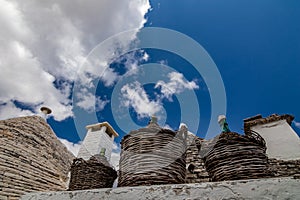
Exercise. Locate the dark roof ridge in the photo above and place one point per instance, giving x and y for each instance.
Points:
(257, 120)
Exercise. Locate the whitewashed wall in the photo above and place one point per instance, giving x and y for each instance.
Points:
(282, 141)
(93, 142)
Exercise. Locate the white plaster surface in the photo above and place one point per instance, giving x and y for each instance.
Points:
(273, 188)
(281, 140)
(93, 142)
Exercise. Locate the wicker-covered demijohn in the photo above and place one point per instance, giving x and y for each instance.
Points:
(91, 174)
(236, 156)
(152, 156)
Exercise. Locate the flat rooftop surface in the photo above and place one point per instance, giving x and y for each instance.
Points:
(272, 188)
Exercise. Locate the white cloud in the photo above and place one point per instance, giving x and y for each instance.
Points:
(176, 85)
(90, 102)
(72, 147)
(115, 156)
(116, 147)
(163, 62)
(9, 110)
(45, 41)
(133, 61)
(167, 126)
(146, 56)
(109, 76)
(297, 124)
(114, 160)
(134, 95)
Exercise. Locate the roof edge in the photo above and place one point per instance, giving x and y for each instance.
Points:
(258, 120)
(106, 124)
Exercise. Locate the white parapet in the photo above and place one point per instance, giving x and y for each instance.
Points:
(273, 188)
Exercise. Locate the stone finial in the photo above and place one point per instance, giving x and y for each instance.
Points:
(223, 124)
(183, 129)
(46, 111)
(153, 122)
(153, 119)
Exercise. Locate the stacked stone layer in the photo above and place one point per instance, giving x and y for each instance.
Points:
(31, 158)
(235, 157)
(152, 156)
(195, 167)
(285, 168)
(92, 174)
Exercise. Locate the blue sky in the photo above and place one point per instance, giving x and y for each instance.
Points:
(255, 46)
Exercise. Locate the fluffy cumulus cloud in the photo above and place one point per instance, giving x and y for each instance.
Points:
(9, 110)
(72, 147)
(115, 156)
(89, 102)
(43, 43)
(133, 94)
(297, 124)
(176, 85)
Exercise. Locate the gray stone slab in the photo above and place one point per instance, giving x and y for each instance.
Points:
(273, 188)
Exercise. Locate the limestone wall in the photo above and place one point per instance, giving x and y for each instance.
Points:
(282, 141)
(273, 188)
(284, 168)
(31, 158)
(195, 168)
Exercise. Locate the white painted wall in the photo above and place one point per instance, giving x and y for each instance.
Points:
(94, 141)
(281, 140)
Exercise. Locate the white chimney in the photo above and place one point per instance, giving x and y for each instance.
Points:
(98, 136)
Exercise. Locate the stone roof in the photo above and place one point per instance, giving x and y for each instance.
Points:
(91, 174)
(151, 156)
(236, 156)
(31, 158)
